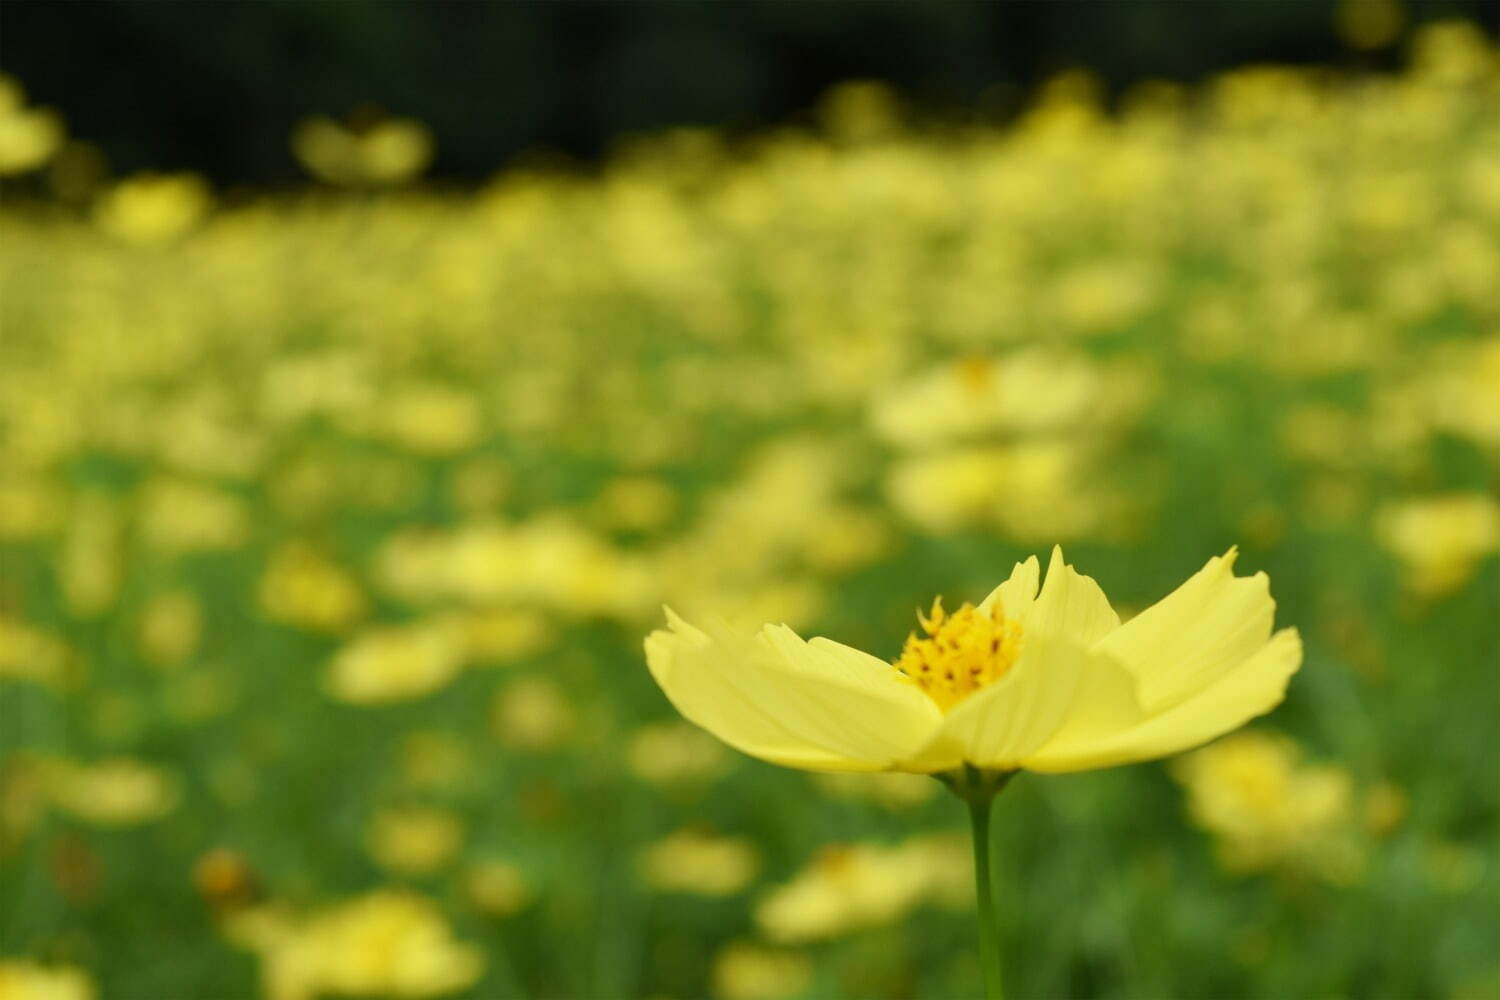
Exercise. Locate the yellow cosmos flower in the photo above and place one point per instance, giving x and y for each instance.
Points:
(1041, 678)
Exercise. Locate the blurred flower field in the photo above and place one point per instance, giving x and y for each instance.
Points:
(332, 522)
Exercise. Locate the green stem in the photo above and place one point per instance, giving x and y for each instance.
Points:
(980, 803)
(978, 789)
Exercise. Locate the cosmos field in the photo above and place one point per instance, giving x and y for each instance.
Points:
(332, 522)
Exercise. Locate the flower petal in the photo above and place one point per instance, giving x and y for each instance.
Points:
(817, 705)
(1104, 707)
(1017, 593)
(1001, 724)
(1250, 688)
(1195, 635)
(1071, 607)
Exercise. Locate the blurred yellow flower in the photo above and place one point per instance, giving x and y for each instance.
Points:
(699, 863)
(29, 508)
(171, 625)
(502, 635)
(745, 971)
(1029, 488)
(415, 841)
(532, 713)
(549, 560)
(116, 792)
(203, 436)
(637, 503)
(431, 418)
(180, 515)
(395, 663)
(91, 560)
(851, 538)
(1452, 53)
(854, 886)
(1385, 807)
(1461, 393)
(499, 888)
(1048, 681)
(674, 753)
(1098, 296)
(1323, 434)
(479, 485)
(846, 888)
(225, 879)
(303, 587)
(387, 151)
(1440, 540)
(387, 942)
(23, 979)
(1029, 391)
(153, 208)
(1268, 808)
(28, 136)
(32, 654)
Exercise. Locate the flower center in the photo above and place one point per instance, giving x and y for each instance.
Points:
(960, 653)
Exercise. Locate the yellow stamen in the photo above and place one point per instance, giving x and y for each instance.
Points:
(961, 652)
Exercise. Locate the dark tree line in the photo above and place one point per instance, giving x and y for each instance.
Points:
(216, 85)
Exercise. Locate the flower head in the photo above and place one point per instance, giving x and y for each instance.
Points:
(1037, 677)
